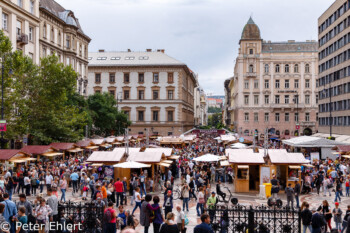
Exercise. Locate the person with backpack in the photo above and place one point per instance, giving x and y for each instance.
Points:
(157, 216)
(122, 215)
(306, 216)
(110, 219)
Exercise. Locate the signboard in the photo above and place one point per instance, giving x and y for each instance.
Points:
(2, 125)
(264, 175)
(241, 140)
(314, 155)
(297, 127)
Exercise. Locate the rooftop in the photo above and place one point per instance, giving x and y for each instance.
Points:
(131, 58)
(251, 31)
(289, 46)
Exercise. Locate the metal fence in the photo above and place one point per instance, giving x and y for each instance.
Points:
(258, 219)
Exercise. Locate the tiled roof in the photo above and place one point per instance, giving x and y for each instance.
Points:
(62, 145)
(279, 47)
(131, 59)
(343, 148)
(83, 143)
(35, 150)
(251, 31)
(8, 154)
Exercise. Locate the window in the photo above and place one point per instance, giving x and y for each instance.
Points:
(97, 78)
(286, 68)
(296, 83)
(126, 94)
(170, 94)
(256, 117)
(18, 28)
(31, 33)
(155, 77)
(307, 83)
(277, 84)
(31, 55)
(267, 99)
(256, 84)
(112, 92)
(266, 68)
(141, 77)
(267, 84)
(251, 68)
(170, 115)
(246, 84)
(155, 95)
(296, 117)
(246, 117)
(59, 38)
(286, 99)
(307, 68)
(97, 91)
(307, 116)
(286, 117)
(141, 115)
(20, 3)
(296, 99)
(307, 99)
(266, 117)
(127, 113)
(296, 68)
(277, 99)
(286, 83)
(111, 77)
(155, 115)
(277, 68)
(5, 20)
(277, 117)
(256, 99)
(126, 78)
(68, 42)
(141, 94)
(251, 51)
(52, 35)
(170, 77)
(246, 99)
(44, 31)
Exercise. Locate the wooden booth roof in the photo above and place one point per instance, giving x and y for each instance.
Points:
(281, 156)
(245, 156)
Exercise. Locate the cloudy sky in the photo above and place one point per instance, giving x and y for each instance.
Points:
(202, 33)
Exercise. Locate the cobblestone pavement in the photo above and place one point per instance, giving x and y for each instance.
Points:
(244, 199)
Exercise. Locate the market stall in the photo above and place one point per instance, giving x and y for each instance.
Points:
(67, 148)
(39, 152)
(165, 150)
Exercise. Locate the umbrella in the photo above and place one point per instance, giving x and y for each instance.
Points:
(131, 164)
(207, 158)
(238, 145)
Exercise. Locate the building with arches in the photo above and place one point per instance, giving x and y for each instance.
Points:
(274, 85)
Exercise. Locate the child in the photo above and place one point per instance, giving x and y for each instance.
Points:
(337, 212)
(22, 218)
(85, 190)
(347, 187)
(151, 185)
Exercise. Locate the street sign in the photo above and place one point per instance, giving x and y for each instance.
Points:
(241, 139)
(2, 125)
(297, 127)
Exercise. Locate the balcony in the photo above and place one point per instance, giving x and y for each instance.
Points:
(308, 124)
(22, 39)
(231, 108)
(250, 75)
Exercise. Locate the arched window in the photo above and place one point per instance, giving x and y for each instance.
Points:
(44, 31)
(277, 68)
(286, 68)
(296, 68)
(307, 68)
(251, 68)
(52, 35)
(266, 68)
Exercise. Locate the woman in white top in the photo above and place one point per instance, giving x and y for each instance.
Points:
(137, 197)
(2, 183)
(200, 201)
(42, 213)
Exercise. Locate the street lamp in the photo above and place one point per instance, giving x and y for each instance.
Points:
(2, 96)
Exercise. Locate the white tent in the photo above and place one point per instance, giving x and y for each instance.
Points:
(238, 145)
(131, 164)
(309, 141)
(207, 158)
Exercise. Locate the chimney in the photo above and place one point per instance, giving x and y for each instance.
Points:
(101, 50)
(148, 50)
(158, 50)
(129, 50)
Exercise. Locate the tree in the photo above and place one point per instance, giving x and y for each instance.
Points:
(214, 110)
(215, 120)
(105, 116)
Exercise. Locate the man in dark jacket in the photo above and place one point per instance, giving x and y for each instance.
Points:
(306, 216)
(317, 221)
(204, 227)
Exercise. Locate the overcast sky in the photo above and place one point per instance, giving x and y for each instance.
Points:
(204, 34)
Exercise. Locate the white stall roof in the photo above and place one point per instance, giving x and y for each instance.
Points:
(106, 156)
(310, 141)
(281, 156)
(166, 151)
(245, 156)
(145, 157)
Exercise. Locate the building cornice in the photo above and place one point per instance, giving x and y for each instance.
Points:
(28, 14)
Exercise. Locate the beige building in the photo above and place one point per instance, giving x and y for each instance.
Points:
(155, 90)
(61, 33)
(334, 69)
(20, 22)
(274, 85)
(201, 108)
(229, 106)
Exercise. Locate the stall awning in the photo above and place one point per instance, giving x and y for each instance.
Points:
(106, 145)
(18, 161)
(224, 163)
(174, 157)
(307, 165)
(75, 150)
(91, 147)
(117, 143)
(295, 167)
(52, 154)
(30, 159)
(242, 166)
(97, 164)
(346, 156)
(166, 161)
(163, 164)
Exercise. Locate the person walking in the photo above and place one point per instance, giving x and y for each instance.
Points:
(297, 193)
(168, 203)
(204, 227)
(10, 210)
(327, 186)
(290, 198)
(111, 191)
(185, 193)
(92, 186)
(52, 201)
(119, 188)
(137, 198)
(326, 211)
(180, 219)
(158, 215)
(306, 216)
(142, 183)
(145, 213)
(110, 219)
(27, 184)
(337, 216)
(200, 202)
(211, 203)
(63, 187)
(169, 226)
(337, 191)
(24, 203)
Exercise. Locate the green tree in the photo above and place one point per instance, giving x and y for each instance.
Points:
(215, 120)
(105, 116)
(214, 110)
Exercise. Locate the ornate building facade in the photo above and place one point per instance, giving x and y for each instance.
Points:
(274, 86)
(155, 90)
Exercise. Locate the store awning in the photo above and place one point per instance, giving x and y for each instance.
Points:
(174, 157)
(97, 164)
(75, 150)
(242, 166)
(52, 154)
(295, 167)
(163, 164)
(307, 165)
(91, 147)
(18, 161)
(225, 163)
(167, 161)
(30, 159)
